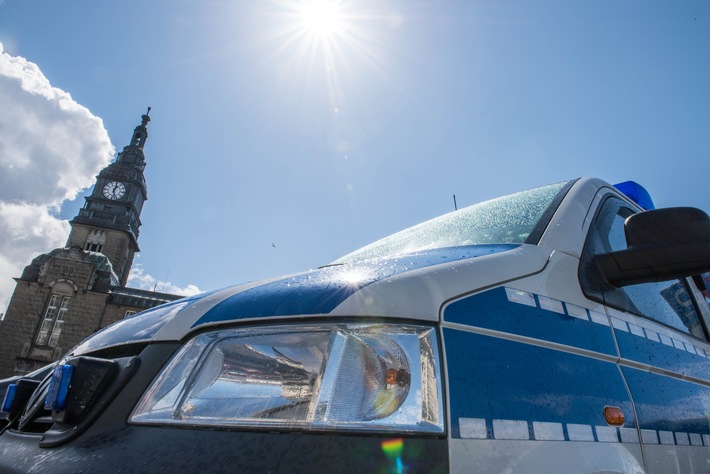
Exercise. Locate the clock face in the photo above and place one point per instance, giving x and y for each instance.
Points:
(114, 190)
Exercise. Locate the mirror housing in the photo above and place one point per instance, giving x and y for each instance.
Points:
(663, 244)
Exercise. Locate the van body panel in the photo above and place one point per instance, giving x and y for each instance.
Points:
(419, 293)
(662, 459)
(557, 457)
(500, 382)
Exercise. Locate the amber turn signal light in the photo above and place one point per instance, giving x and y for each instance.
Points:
(614, 416)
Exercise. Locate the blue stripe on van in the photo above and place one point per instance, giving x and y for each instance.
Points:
(498, 379)
(320, 291)
(670, 353)
(669, 405)
(493, 310)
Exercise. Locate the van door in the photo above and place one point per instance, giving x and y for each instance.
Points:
(664, 351)
(532, 378)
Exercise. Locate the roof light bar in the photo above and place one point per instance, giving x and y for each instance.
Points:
(636, 193)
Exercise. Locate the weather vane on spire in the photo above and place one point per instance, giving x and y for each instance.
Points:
(146, 118)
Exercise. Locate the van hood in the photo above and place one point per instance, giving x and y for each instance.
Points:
(322, 291)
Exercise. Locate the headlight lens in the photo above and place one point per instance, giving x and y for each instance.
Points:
(313, 377)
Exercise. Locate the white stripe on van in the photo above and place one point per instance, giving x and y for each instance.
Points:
(476, 428)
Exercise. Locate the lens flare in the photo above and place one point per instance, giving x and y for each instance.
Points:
(393, 450)
(393, 447)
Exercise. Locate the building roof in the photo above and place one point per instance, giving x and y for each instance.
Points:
(139, 298)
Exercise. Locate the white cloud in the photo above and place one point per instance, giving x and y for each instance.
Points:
(139, 279)
(51, 148)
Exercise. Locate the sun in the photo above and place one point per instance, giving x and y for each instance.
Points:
(323, 19)
(333, 30)
(324, 42)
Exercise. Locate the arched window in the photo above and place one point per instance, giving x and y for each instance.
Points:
(53, 321)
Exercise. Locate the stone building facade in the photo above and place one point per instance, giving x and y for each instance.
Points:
(67, 294)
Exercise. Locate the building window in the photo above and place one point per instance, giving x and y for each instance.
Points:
(53, 321)
(94, 247)
(96, 240)
(129, 313)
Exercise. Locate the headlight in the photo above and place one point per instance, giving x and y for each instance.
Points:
(306, 377)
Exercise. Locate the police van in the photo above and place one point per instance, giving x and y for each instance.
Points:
(559, 329)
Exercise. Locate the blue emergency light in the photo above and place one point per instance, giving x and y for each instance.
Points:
(16, 397)
(9, 397)
(636, 193)
(59, 387)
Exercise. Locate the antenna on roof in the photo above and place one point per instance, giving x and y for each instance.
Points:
(165, 282)
(456, 208)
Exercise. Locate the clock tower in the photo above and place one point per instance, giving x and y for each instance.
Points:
(68, 293)
(109, 222)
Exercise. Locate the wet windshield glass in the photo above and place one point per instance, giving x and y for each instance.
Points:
(505, 220)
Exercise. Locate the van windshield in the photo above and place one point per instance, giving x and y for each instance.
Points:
(514, 219)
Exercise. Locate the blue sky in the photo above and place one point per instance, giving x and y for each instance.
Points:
(275, 147)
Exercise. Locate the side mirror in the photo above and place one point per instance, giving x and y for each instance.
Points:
(663, 244)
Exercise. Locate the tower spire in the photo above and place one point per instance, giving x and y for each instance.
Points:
(109, 222)
(140, 134)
